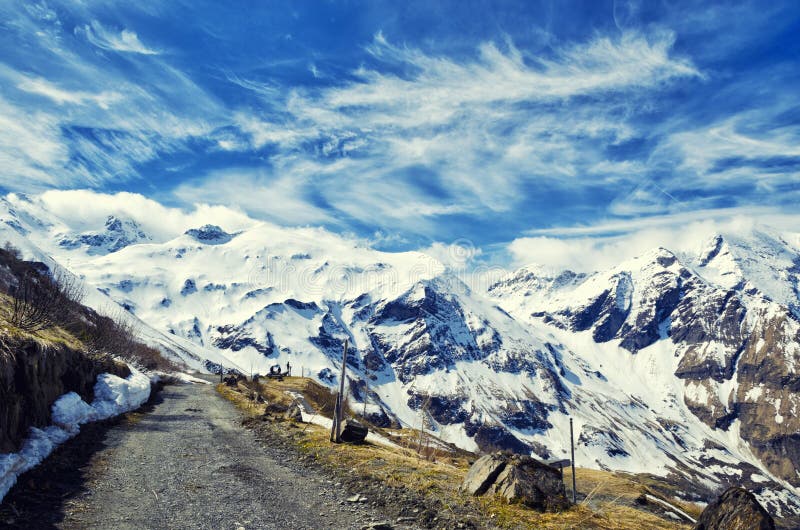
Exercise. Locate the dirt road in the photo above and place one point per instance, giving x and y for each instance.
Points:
(188, 463)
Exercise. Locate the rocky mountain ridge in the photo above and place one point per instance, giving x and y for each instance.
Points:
(680, 366)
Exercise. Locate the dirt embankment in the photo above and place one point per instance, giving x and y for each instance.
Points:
(33, 375)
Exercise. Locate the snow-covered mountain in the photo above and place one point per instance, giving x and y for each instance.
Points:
(676, 365)
(115, 235)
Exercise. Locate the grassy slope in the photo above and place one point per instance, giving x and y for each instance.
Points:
(49, 336)
(611, 503)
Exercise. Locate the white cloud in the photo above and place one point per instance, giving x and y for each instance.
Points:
(43, 87)
(703, 147)
(605, 245)
(441, 86)
(125, 40)
(477, 130)
(279, 199)
(94, 123)
(30, 143)
(88, 210)
(458, 255)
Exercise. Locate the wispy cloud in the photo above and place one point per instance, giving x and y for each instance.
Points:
(49, 90)
(625, 116)
(75, 119)
(734, 138)
(418, 136)
(273, 198)
(124, 40)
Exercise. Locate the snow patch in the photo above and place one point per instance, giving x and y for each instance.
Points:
(778, 416)
(754, 393)
(113, 396)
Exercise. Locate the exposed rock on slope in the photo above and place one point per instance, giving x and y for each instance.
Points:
(735, 509)
(767, 400)
(117, 234)
(518, 479)
(210, 235)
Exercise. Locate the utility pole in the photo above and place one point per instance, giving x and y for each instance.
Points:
(336, 428)
(572, 446)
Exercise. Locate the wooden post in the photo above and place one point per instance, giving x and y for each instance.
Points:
(336, 428)
(572, 447)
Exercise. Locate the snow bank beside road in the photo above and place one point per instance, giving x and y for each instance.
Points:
(112, 396)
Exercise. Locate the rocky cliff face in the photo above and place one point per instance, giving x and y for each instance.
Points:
(735, 348)
(767, 400)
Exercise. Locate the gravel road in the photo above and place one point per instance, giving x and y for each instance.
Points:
(190, 464)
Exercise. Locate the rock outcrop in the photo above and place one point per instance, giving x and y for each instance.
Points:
(518, 479)
(210, 235)
(735, 509)
(116, 235)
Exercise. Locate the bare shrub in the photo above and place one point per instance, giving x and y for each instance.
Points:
(114, 334)
(41, 300)
(118, 336)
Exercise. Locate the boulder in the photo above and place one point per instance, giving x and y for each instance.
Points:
(528, 481)
(354, 432)
(519, 479)
(735, 509)
(483, 473)
(294, 413)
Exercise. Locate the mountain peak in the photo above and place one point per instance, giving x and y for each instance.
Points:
(210, 235)
(756, 261)
(661, 254)
(114, 224)
(658, 256)
(712, 248)
(117, 234)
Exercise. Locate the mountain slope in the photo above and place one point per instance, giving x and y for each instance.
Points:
(668, 365)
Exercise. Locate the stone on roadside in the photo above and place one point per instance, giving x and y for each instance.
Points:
(378, 526)
(294, 413)
(483, 474)
(519, 479)
(528, 481)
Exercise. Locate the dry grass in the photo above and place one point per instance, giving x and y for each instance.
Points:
(613, 500)
(627, 487)
(238, 396)
(610, 516)
(131, 350)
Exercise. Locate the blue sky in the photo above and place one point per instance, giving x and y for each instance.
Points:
(412, 122)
